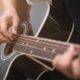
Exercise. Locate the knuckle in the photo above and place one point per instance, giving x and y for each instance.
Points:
(61, 65)
(17, 20)
(15, 27)
(2, 31)
(16, 17)
(3, 18)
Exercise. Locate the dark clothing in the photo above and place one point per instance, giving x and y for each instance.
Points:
(72, 7)
(65, 12)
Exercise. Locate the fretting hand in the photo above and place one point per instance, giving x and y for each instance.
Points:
(68, 64)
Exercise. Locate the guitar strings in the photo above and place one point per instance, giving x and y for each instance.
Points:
(37, 43)
(42, 45)
(47, 42)
(53, 54)
(40, 39)
(41, 42)
(34, 44)
(59, 50)
(48, 57)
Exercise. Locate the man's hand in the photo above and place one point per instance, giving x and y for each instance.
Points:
(14, 12)
(9, 18)
(68, 64)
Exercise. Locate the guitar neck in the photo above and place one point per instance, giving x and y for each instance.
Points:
(42, 48)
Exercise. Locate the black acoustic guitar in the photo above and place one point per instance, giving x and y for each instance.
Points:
(31, 56)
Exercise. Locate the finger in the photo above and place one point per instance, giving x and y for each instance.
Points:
(4, 29)
(3, 39)
(65, 60)
(67, 57)
(71, 52)
(76, 68)
(57, 63)
(15, 24)
(56, 59)
(63, 63)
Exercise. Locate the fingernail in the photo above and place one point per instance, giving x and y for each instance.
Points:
(8, 41)
(14, 32)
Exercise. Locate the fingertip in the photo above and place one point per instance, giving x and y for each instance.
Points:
(56, 60)
(14, 29)
(15, 25)
(71, 52)
(71, 48)
(76, 68)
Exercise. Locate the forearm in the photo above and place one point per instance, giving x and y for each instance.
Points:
(20, 6)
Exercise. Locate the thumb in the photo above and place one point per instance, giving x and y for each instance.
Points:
(15, 24)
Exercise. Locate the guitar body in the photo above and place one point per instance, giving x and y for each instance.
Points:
(17, 65)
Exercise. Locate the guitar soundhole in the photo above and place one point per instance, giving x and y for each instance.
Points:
(8, 49)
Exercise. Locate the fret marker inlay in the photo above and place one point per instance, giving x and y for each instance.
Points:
(31, 51)
(44, 48)
(37, 40)
(23, 43)
(53, 50)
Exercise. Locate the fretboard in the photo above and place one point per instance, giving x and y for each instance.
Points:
(42, 48)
